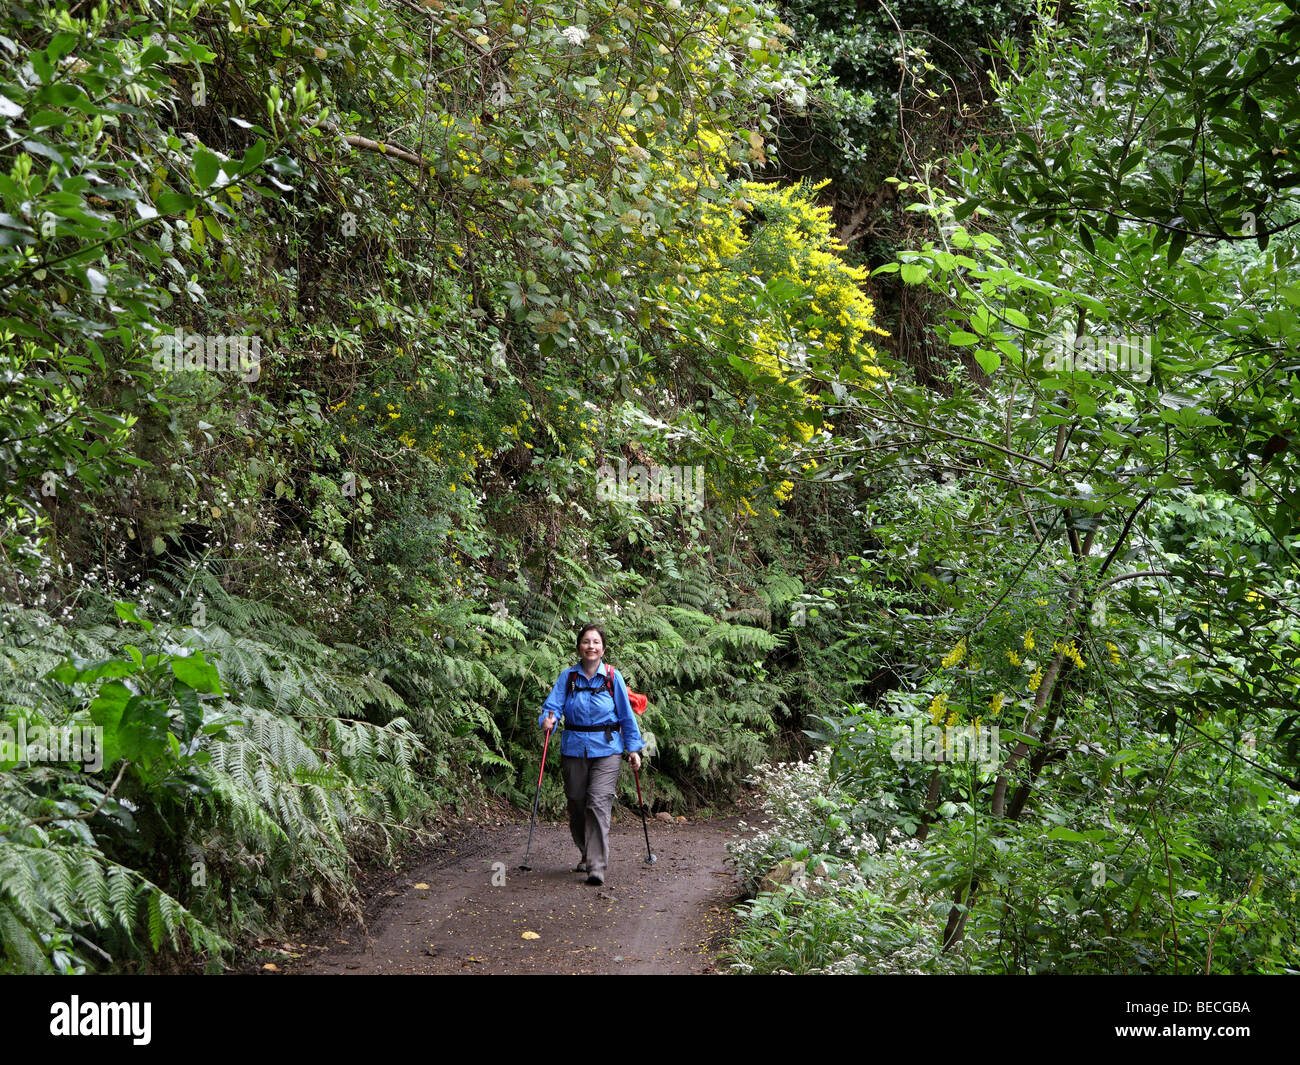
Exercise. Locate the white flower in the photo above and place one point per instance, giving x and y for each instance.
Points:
(575, 34)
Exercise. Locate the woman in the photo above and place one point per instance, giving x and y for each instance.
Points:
(598, 727)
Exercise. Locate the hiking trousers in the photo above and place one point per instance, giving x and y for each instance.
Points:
(589, 784)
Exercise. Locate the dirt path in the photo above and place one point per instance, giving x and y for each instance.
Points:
(453, 914)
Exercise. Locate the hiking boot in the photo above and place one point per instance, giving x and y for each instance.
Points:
(595, 880)
(582, 865)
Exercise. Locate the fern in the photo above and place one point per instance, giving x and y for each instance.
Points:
(73, 887)
(291, 794)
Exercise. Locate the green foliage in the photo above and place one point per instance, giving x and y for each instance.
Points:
(213, 804)
(831, 897)
(1093, 554)
(871, 63)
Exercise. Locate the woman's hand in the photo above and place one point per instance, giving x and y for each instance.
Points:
(549, 723)
(635, 760)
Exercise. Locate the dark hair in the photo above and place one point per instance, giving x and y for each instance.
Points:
(588, 628)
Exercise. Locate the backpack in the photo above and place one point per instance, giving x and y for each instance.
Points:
(638, 701)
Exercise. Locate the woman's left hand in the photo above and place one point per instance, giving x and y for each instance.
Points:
(635, 759)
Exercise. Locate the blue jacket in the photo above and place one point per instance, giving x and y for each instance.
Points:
(593, 708)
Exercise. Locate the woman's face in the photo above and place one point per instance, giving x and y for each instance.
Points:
(591, 646)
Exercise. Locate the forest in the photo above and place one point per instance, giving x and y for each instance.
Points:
(909, 391)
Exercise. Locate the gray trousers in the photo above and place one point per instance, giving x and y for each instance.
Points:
(589, 785)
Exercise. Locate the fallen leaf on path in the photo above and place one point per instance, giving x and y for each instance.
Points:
(271, 967)
(530, 935)
(421, 887)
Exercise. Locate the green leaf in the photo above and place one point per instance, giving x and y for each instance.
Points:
(197, 673)
(130, 612)
(253, 157)
(206, 168)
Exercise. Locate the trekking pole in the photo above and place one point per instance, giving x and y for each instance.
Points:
(545, 743)
(649, 858)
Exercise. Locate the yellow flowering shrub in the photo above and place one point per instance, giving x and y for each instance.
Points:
(818, 319)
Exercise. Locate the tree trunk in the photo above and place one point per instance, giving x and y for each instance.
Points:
(931, 800)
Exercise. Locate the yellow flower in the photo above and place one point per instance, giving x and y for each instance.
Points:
(1070, 651)
(1029, 639)
(938, 708)
(955, 655)
(995, 705)
(1114, 652)
(1013, 658)
(1035, 680)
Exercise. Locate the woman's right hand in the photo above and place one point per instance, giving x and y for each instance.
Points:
(549, 723)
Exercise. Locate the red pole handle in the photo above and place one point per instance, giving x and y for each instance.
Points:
(545, 743)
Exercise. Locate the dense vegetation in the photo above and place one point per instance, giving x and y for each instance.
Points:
(345, 343)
